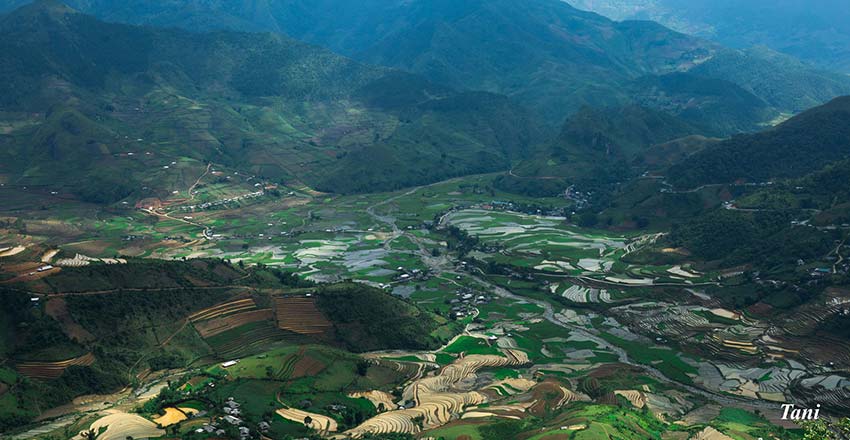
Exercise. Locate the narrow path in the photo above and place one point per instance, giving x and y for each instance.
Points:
(198, 182)
(837, 252)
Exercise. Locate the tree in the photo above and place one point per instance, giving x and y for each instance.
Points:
(308, 421)
(362, 367)
(91, 434)
(823, 430)
(588, 220)
(419, 421)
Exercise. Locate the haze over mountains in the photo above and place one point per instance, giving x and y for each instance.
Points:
(543, 53)
(814, 31)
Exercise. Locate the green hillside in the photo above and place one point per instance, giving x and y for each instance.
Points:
(547, 55)
(80, 95)
(596, 147)
(717, 107)
(137, 316)
(797, 147)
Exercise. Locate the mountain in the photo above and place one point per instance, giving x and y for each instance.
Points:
(797, 147)
(795, 171)
(79, 96)
(595, 147)
(825, 193)
(780, 80)
(545, 54)
(717, 107)
(815, 32)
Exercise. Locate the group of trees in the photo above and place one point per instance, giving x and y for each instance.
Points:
(827, 430)
(367, 319)
(765, 239)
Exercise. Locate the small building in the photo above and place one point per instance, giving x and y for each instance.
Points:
(232, 420)
(229, 364)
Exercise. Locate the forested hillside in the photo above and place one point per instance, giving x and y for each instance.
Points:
(88, 94)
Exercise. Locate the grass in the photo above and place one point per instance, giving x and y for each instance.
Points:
(8, 376)
(445, 359)
(666, 361)
(711, 317)
(505, 373)
(470, 345)
(453, 432)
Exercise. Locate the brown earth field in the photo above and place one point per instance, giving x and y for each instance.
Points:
(212, 327)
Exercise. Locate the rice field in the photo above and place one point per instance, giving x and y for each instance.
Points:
(551, 246)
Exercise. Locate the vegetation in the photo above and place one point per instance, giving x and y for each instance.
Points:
(274, 99)
(367, 319)
(799, 146)
(551, 57)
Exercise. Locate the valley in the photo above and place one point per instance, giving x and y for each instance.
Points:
(417, 220)
(571, 302)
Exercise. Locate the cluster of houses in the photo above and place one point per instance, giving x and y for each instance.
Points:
(404, 275)
(232, 413)
(465, 302)
(581, 199)
(222, 202)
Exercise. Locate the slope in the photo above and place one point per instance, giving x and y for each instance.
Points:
(80, 95)
(815, 32)
(799, 146)
(547, 55)
(595, 147)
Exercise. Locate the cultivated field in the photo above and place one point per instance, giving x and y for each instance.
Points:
(300, 315)
(120, 426)
(52, 370)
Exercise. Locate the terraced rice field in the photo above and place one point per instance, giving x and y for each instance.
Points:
(227, 308)
(321, 423)
(436, 398)
(81, 260)
(120, 426)
(215, 326)
(173, 416)
(521, 233)
(636, 398)
(245, 339)
(549, 244)
(300, 315)
(377, 398)
(52, 370)
(11, 251)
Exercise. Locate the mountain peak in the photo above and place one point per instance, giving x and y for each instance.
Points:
(53, 9)
(34, 18)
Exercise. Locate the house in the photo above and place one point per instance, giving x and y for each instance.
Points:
(45, 268)
(821, 271)
(232, 420)
(229, 364)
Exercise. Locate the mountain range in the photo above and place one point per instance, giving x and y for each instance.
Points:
(813, 31)
(111, 105)
(545, 54)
